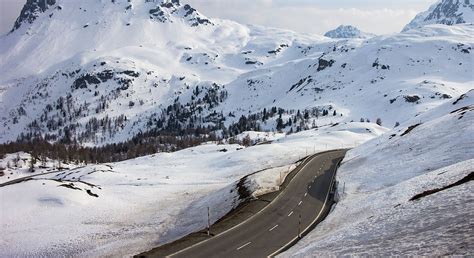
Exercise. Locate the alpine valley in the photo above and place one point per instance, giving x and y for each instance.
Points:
(95, 81)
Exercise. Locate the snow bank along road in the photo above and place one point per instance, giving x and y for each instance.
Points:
(292, 213)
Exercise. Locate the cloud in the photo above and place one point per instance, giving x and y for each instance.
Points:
(9, 11)
(312, 16)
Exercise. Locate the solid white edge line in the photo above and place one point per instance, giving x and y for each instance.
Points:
(243, 246)
(317, 217)
(273, 227)
(199, 243)
(309, 158)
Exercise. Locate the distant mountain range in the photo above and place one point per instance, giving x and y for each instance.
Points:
(348, 31)
(100, 72)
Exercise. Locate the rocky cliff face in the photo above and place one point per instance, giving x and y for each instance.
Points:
(31, 10)
(447, 12)
(164, 11)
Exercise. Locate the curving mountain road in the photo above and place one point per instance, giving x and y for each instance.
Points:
(303, 203)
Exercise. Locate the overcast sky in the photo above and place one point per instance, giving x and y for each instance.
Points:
(310, 16)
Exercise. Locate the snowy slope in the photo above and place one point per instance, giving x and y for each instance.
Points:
(104, 71)
(391, 77)
(151, 200)
(102, 56)
(89, 29)
(398, 74)
(378, 179)
(100, 72)
(18, 165)
(347, 31)
(447, 12)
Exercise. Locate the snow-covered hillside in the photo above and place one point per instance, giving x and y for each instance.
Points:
(18, 165)
(399, 191)
(79, 62)
(348, 31)
(100, 72)
(392, 77)
(159, 74)
(128, 207)
(447, 12)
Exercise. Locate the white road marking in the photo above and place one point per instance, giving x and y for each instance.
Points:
(309, 186)
(290, 213)
(244, 245)
(300, 203)
(273, 227)
(305, 194)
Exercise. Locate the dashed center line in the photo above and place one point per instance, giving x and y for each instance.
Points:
(290, 213)
(273, 227)
(305, 194)
(300, 203)
(244, 245)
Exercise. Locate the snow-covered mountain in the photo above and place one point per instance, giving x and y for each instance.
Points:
(100, 72)
(407, 192)
(123, 62)
(105, 71)
(348, 31)
(447, 12)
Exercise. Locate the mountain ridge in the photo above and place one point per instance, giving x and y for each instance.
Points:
(108, 80)
(448, 12)
(348, 31)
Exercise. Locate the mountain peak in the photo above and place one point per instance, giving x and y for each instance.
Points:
(448, 12)
(169, 8)
(164, 11)
(171, 2)
(31, 10)
(347, 31)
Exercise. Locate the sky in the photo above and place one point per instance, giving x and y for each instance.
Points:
(307, 16)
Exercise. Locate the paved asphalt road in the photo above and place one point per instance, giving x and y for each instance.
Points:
(269, 231)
